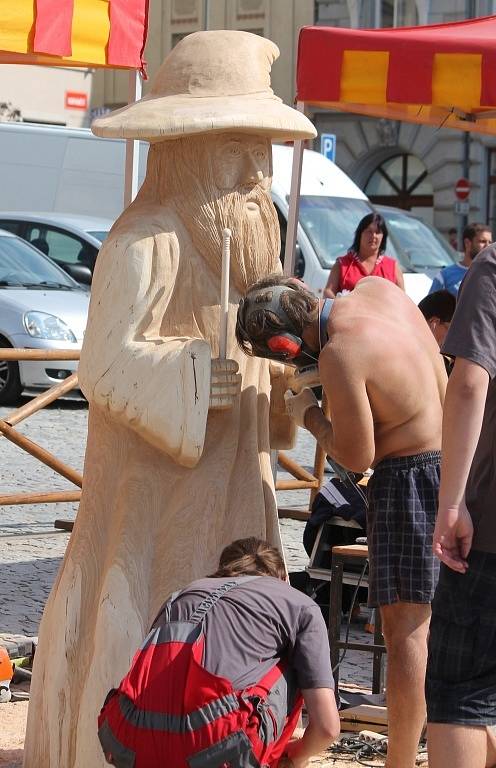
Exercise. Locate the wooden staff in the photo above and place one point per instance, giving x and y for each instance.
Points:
(224, 292)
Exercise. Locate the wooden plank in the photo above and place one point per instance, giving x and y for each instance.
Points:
(295, 485)
(6, 353)
(10, 499)
(351, 550)
(294, 468)
(40, 401)
(40, 453)
(64, 525)
(320, 457)
(364, 717)
(293, 514)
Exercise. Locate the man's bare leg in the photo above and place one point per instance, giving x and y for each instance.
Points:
(460, 746)
(405, 627)
(491, 747)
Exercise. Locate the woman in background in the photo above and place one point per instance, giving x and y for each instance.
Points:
(366, 257)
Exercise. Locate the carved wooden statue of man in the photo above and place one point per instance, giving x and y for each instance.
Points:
(169, 478)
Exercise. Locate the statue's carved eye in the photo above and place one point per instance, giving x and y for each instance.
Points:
(234, 149)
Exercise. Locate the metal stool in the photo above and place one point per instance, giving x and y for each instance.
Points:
(342, 556)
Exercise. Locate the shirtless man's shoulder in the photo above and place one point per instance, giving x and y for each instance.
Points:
(381, 348)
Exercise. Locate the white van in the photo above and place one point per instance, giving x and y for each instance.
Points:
(331, 206)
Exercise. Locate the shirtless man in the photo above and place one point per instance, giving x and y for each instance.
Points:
(384, 379)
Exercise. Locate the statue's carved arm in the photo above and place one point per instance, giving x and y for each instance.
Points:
(282, 429)
(159, 387)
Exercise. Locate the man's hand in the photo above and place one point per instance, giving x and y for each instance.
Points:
(453, 535)
(289, 761)
(225, 384)
(298, 405)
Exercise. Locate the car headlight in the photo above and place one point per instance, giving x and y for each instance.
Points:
(44, 326)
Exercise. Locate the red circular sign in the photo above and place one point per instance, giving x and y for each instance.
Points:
(462, 189)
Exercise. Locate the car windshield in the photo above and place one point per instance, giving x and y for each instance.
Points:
(330, 224)
(99, 234)
(21, 264)
(424, 247)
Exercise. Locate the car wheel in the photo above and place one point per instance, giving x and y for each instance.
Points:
(10, 381)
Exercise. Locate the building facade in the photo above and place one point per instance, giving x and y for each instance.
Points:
(52, 95)
(401, 164)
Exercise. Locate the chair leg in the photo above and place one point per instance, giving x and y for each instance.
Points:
(335, 602)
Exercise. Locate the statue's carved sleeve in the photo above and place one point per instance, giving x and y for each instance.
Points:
(158, 386)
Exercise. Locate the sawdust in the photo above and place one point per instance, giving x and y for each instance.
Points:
(13, 726)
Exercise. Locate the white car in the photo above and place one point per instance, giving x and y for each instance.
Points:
(41, 307)
(71, 240)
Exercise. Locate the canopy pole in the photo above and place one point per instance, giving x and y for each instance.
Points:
(294, 203)
(132, 145)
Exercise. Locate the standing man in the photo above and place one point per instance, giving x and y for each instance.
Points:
(461, 672)
(475, 238)
(384, 378)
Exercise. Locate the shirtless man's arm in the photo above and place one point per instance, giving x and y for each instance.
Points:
(348, 437)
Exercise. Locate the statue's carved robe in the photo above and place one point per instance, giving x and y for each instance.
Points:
(158, 503)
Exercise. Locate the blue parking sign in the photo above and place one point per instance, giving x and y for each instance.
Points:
(328, 146)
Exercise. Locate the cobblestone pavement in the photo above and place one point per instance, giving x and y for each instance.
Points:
(31, 550)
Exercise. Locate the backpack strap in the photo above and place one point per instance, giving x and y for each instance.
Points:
(208, 602)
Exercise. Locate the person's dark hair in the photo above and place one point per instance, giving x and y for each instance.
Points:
(250, 557)
(255, 326)
(439, 304)
(452, 231)
(471, 230)
(370, 218)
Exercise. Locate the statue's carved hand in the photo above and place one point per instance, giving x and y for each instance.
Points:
(225, 384)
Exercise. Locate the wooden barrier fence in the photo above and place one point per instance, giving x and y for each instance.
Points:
(302, 478)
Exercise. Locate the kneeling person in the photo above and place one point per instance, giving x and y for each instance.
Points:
(222, 675)
(384, 379)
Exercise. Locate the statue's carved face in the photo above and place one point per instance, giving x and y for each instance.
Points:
(241, 161)
(223, 180)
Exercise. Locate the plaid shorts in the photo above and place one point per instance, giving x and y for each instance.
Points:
(402, 496)
(461, 668)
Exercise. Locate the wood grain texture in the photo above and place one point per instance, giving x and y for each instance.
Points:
(167, 483)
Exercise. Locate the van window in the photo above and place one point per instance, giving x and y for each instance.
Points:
(424, 247)
(330, 224)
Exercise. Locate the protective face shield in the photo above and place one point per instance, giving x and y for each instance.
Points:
(285, 346)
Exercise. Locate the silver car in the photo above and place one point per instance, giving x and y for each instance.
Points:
(41, 307)
(70, 239)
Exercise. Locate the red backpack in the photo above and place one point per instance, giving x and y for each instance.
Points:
(169, 712)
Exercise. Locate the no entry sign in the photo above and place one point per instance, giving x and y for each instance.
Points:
(462, 189)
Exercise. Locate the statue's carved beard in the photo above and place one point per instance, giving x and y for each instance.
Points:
(255, 242)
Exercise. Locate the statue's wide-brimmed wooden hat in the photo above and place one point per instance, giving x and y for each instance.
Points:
(210, 82)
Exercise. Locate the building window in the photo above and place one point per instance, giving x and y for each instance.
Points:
(402, 181)
(388, 13)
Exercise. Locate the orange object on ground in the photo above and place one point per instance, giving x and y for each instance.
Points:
(6, 674)
(6, 670)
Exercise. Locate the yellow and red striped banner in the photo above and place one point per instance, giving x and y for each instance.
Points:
(442, 74)
(90, 33)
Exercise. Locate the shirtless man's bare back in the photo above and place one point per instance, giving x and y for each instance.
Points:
(384, 379)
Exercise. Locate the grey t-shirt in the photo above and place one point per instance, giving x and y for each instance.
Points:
(254, 625)
(472, 336)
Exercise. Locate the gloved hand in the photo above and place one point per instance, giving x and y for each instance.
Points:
(225, 384)
(298, 405)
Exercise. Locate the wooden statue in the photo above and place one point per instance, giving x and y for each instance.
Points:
(177, 461)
